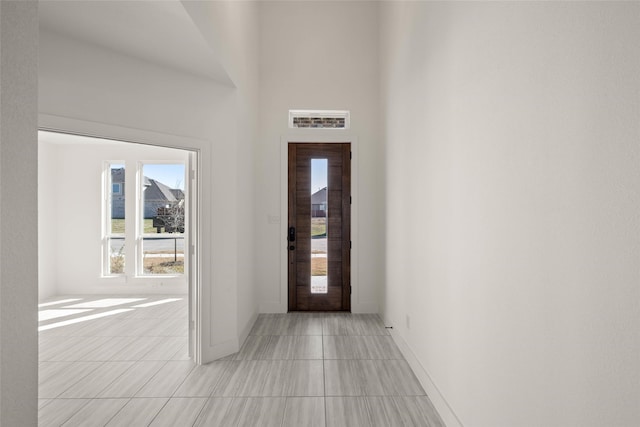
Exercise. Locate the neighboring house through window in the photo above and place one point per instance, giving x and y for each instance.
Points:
(114, 224)
(159, 218)
(319, 203)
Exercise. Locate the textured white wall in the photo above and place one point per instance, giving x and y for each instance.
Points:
(318, 55)
(513, 234)
(18, 213)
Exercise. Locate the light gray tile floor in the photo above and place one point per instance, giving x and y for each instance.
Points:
(131, 368)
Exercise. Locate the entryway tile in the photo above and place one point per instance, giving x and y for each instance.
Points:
(167, 380)
(131, 381)
(56, 412)
(138, 412)
(304, 411)
(96, 413)
(179, 411)
(296, 369)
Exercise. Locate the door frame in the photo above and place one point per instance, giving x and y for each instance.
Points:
(198, 327)
(321, 136)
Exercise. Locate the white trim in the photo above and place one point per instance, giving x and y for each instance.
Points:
(203, 150)
(443, 408)
(219, 350)
(318, 136)
(244, 334)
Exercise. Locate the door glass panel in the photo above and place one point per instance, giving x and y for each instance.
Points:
(319, 222)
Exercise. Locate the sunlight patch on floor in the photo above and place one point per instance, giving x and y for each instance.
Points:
(83, 319)
(103, 303)
(54, 314)
(62, 301)
(162, 301)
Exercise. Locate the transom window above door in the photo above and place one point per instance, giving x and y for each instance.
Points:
(319, 119)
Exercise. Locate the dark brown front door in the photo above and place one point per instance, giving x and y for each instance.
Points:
(319, 235)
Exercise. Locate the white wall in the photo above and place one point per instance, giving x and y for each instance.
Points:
(513, 185)
(72, 169)
(231, 29)
(18, 213)
(91, 90)
(319, 55)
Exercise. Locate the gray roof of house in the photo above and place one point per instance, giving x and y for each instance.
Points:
(154, 190)
(158, 191)
(319, 196)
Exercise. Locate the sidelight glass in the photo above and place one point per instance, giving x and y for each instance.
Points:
(319, 226)
(115, 219)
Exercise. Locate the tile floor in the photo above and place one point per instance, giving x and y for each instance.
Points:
(122, 361)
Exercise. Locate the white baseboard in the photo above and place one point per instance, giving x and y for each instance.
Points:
(247, 329)
(220, 350)
(439, 402)
(367, 307)
(272, 307)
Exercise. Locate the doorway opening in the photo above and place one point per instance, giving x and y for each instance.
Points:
(117, 252)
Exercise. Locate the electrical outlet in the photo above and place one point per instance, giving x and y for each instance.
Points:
(273, 219)
(408, 322)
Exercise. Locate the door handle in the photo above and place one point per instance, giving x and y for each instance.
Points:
(292, 234)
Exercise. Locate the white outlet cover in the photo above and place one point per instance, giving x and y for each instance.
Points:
(273, 219)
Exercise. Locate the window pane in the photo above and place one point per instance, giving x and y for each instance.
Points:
(117, 199)
(116, 255)
(163, 255)
(319, 216)
(164, 198)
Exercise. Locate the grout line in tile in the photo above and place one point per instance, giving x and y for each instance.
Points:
(75, 412)
(159, 410)
(79, 379)
(118, 411)
(197, 417)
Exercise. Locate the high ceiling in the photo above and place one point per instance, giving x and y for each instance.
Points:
(155, 31)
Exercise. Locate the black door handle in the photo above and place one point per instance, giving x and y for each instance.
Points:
(292, 234)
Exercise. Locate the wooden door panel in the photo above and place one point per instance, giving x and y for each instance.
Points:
(338, 257)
